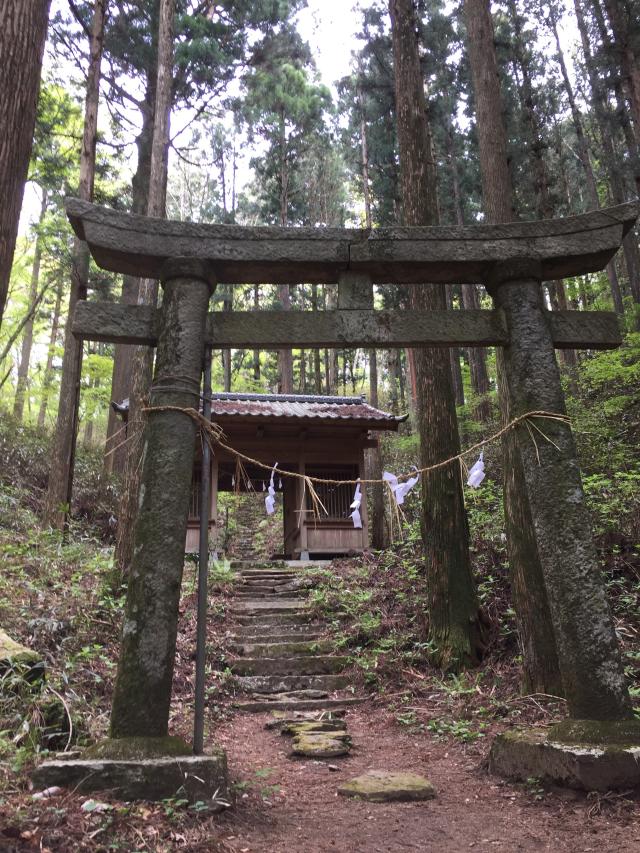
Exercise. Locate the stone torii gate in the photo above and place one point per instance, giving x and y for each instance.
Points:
(511, 260)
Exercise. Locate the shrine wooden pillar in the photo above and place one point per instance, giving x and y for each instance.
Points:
(142, 693)
(592, 672)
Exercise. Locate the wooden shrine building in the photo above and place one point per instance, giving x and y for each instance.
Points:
(318, 436)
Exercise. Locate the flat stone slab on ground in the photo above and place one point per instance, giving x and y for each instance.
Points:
(196, 777)
(300, 727)
(384, 786)
(528, 753)
(321, 744)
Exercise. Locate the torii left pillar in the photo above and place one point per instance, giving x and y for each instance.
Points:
(140, 760)
(142, 694)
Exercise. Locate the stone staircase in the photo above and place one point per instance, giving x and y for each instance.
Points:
(286, 665)
(282, 659)
(250, 534)
(242, 545)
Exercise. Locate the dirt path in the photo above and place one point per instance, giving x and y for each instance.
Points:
(473, 811)
(286, 803)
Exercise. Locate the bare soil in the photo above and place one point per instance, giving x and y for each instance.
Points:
(473, 810)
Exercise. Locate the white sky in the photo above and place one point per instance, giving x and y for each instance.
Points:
(330, 27)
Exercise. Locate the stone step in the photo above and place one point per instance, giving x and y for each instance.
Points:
(291, 728)
(266, 595)
(287, 683)
(282, 623)
(261, 604)
(262, 585)
(268, 577)
(260, 627)
(280, 721)
(255, 569)
(256, 706)
(295, 695)
(306, 665)
(258, 607)
(263, 620)
(276, 639)
(283, 649)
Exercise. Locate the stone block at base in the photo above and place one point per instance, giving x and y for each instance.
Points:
(532, 753)
(194, 777)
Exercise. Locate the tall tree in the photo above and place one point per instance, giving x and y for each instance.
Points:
(455, 626)
(58, 500)
(538, 143)
(584, 154)
(213, 41)
(148, 290)
(47, 380)
(27, 339)
(377, 520)
(53, 169)
(623, 18)
(23, 30)
(530, 598)
(286, 109)
(606, 128)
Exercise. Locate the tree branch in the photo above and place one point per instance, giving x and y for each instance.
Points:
(76, 14)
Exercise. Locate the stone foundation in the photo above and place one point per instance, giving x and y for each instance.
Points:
(532, 753)
(193, 777)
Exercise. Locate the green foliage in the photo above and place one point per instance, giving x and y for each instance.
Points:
(368, 95)
(615, 504)
(605, 411)
(287, 110)
(461, 730)
(55, 157)
(24, 470)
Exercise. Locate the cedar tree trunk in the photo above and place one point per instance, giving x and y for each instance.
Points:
(455, 627)
(541, 672)
(23, 30)
(58, 501)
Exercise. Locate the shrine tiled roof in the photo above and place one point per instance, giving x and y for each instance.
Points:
(304, 407)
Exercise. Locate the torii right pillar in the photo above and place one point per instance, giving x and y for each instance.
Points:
(600, 711)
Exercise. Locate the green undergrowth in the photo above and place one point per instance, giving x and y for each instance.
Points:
(55, 598)
(378, 609)
(25, 457)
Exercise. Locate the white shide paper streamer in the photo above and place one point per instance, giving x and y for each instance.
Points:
(270, 500)
(476, 474)
(355, 506)
(400, 490)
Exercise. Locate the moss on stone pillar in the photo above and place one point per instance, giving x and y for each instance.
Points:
(142, 693)
(586, 644)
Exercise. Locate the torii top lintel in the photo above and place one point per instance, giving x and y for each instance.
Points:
(140, 246)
